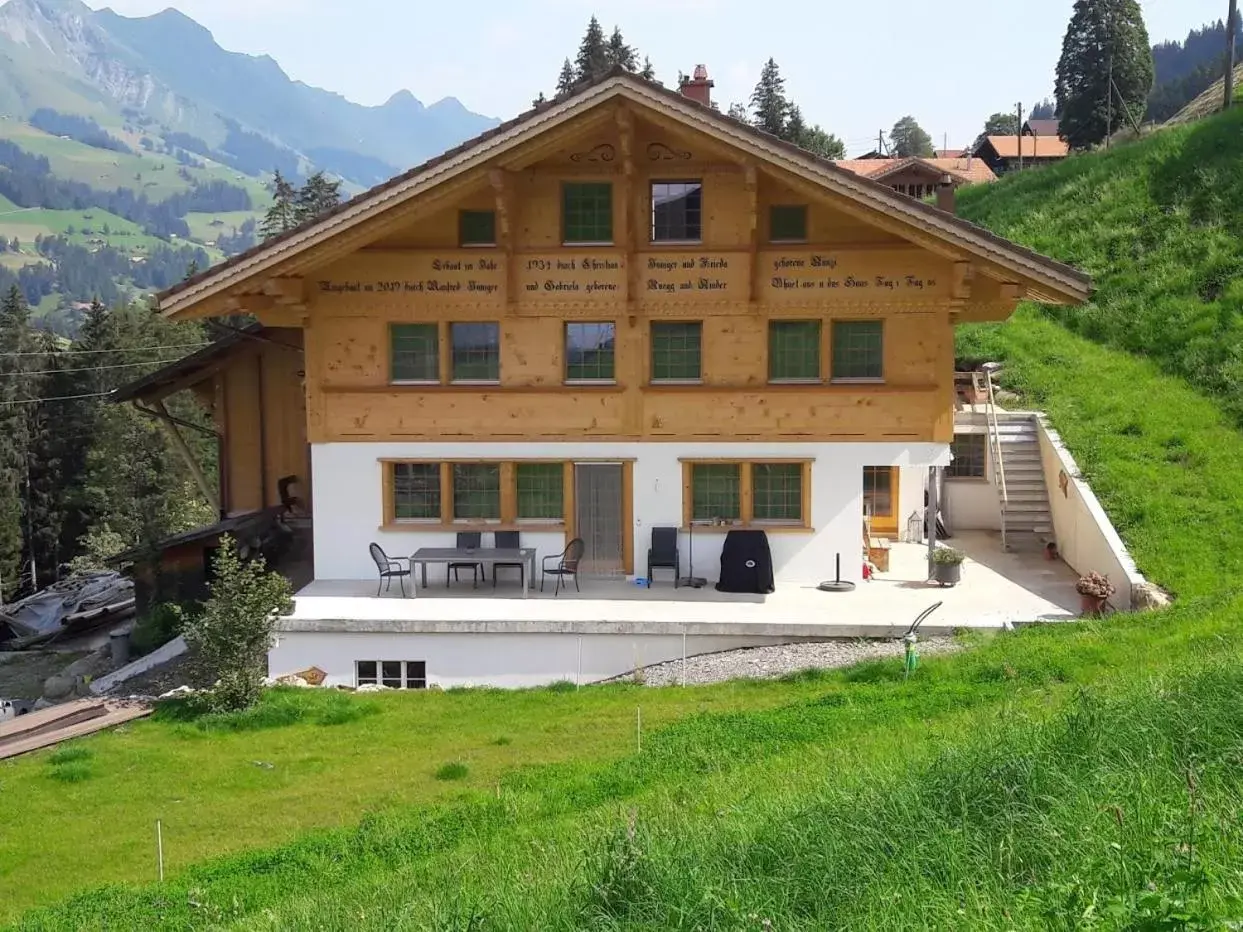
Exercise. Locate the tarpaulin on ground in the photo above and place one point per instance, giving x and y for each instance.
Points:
(80, 599)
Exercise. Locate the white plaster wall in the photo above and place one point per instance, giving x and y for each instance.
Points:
(349, 508)
(911, 484)
(505, 660)
(1085, 536)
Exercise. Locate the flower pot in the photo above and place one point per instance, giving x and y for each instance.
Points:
(947, 574)
(1092, 604)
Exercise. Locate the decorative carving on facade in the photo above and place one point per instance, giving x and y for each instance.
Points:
(601, 153)
(659, 152)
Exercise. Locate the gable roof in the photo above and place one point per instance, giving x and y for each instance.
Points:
(1034, 147)
(1058, 282)
(1042, 127)
(965, 170)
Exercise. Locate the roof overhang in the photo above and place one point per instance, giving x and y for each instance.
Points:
(1044, 278)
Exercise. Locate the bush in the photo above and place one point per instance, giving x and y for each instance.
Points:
(234, 634)
(156, 628)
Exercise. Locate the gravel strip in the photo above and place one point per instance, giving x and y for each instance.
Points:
(773, 662)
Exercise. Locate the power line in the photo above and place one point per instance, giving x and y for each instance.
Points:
(122, 365)
(39, 401)
(124, 349)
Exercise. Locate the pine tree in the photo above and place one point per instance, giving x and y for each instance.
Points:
(1044, 110)
(16, 397)
(648, 73)
(620, 54)
(316, 197)
(738, 111)
(51, 437)
(1104, 38)
(769, 107)
(592, 60)
(565, 80)
(283, 214)
(909, 139)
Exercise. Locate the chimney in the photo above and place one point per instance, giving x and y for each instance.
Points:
(945, 195)
(698, 88)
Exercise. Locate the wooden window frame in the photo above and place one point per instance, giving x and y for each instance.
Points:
(982, 475)
(652, 377)
(461, 229)
(651, 201)
(820, 352)
(565, 348)
(832, 350)
(894, 505)
(508, 521)
(780, 241)
(447, 337)
(565, 188)
(392, 373)
(746, 494)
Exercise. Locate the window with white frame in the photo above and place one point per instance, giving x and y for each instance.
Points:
(393, 674)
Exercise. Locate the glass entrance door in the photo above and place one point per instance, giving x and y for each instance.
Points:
(598, 517)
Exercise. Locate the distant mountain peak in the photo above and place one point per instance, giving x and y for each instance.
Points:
(405, 100)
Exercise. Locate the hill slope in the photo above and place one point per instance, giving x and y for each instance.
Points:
(1159, 224)
(1059, 777)
(1208, 102)
(167, 74)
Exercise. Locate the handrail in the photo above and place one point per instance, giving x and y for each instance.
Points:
(994, 452)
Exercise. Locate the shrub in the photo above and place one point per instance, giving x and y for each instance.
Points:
(234, 634)
(157, 627)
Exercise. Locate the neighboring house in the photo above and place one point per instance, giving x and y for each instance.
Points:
(920, 177)
(952, 153)
(1001, 153)
(1047, 128)
(620, 310)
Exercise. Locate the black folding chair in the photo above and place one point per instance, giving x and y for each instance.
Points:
(663, 554)
(389, 570)
(467, 540)
(508, 540)
(564, 564)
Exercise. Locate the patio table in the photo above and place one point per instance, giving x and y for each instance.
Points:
(488, 556)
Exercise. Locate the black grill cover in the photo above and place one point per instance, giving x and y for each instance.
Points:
(746, 563)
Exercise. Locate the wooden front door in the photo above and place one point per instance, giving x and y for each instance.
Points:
(880, 499)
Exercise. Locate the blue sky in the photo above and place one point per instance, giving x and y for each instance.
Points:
(854, 67)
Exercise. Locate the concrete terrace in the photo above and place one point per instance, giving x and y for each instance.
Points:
(997, 589)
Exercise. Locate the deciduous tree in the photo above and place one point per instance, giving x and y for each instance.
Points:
(1002, 124)
(1105, 38)
(908, 139)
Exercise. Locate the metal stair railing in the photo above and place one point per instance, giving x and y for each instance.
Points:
(994, 452)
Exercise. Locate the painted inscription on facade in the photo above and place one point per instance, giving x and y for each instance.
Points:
(600, 277)
(849, 276)
(690, 276)
(461, 276)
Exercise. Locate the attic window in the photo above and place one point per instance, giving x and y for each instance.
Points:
(787, 223)
(677, 211)
(477, 227)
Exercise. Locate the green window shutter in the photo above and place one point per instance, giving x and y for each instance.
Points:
(858, 349)
(477, 227)
(416, 491)
(414, 353)
(715, 491)
(540, 490)
(777, 492)
(476, 352)
(476, 491)
(587, 212)
(677, 352)
(590, 352)
(794, 350)
(787, 223)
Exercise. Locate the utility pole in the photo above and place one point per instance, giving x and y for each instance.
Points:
(880, 142)
(1109, 89)
(1018, 131)
(1232, 21)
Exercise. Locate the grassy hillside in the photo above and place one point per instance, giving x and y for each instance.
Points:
(1209, 102)
(1061, 777)
(1159, 224)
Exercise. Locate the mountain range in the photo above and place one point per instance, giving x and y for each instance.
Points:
(167, 74)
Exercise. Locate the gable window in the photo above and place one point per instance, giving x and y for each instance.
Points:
(587, 212)
(477, 227)
(858, 350)
(394, 674)
(476, 352)
(676, 352)
(794, 351)
(787, 223)
(970, 456)
(677, 211)
(540, 491)
(747, 493)
(416, 491)
(878, 491)
(476, 491)
(589, 352)
(414, 352)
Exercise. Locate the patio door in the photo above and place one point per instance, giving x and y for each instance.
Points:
(598, 517)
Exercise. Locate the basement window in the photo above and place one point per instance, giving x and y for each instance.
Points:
(393, 674)
(970, 454)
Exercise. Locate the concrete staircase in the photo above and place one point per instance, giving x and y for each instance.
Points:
(1025, 511)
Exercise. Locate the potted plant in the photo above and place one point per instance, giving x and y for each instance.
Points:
(1094, 590)
(947, 566)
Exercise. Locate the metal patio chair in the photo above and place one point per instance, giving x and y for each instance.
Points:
(508, 540)
(663, 554)
(564, 564)
(467, 540)
(389, 570)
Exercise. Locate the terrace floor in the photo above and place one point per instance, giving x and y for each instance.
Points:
(997, 589)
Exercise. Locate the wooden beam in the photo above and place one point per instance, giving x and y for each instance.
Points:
(960, 284)
(285, 290)
(627, 226)
(179, 442)
(751, 181)
(503, 191)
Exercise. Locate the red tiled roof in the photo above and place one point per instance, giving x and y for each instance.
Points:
(1034, 147)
